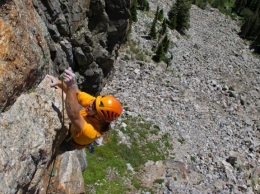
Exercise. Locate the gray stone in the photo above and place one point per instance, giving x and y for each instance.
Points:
(30, 149)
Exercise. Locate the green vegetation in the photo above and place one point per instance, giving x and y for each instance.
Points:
(193, 159)
(162, 50)
(159, 53)
(248, 12)
(143, 5)
(134, 12)
(159, 181)
(225, 6)
(250, 16)
(181, 141)
(200, 3)
(164, 27)
(165, 42)
(107, 168)
(33, 89)
(136, 52)
(153, 32)
(160, 15)
(157, 13)
(179, 16)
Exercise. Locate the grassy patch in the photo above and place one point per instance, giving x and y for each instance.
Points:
(32, 90)
(137, 52)
(107, 168)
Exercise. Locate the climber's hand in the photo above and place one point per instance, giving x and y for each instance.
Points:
(55, 81)
(69, 78)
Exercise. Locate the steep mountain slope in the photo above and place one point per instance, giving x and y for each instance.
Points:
(207, 100)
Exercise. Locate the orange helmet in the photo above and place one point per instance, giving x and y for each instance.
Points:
(108, 108)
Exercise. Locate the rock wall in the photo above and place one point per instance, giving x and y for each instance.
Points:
(45, 37)
(24, 53)
(40, 37)
(30, 133)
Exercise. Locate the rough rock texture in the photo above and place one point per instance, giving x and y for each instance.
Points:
(67, 177)
(207, 100)
(39, 37)
(30, 133)
(23, 54)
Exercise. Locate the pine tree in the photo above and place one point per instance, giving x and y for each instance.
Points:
(200, 3)
(254, 5)
(172, 15)
(159, 53)
(179, 16)
(239, 5)
(164, 27)
(183, 15)
(218, 3)
(172, 12)
(147, 6)
(141, 4)
(253, 31)
(245, 28)
(172, 23)
(134, 11)
(153, 32)
(160, 15)
(157, 13)
(165, 43)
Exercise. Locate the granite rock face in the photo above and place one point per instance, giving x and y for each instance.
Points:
(45, 37)
(207, 100)
(30, 133)
(40, 37)
(24, 54)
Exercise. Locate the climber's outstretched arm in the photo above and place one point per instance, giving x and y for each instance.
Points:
(71, 90)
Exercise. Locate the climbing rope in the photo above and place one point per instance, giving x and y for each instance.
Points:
(52, 173)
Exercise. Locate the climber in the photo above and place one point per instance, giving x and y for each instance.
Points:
(92, 120)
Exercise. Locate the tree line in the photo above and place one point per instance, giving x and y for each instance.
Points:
(249, 11)
(178, 18)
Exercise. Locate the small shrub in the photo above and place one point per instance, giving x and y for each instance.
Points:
(141, 56)
(159, 181)
(192, 158)
(181, 141)
(134, 11)
(32, 90)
